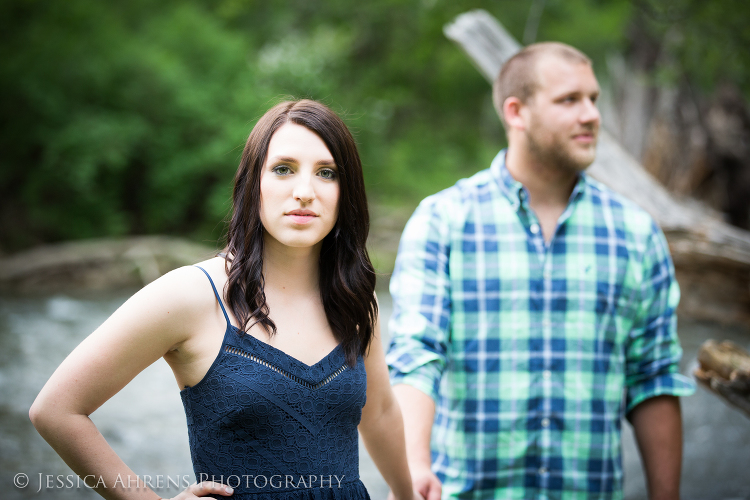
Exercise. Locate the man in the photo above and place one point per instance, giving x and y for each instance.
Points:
(533, 309)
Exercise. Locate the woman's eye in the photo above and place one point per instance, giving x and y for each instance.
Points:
(328, 173)
(282, 170)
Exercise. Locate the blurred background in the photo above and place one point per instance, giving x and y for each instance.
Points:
(124, 119)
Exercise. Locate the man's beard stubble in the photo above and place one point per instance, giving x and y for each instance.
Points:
(557, 155)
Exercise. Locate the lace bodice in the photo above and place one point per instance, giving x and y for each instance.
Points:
(271, 426)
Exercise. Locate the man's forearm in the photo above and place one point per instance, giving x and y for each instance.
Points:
(657, 423)
(418, 410)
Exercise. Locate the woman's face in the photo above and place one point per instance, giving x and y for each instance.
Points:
(299, 188)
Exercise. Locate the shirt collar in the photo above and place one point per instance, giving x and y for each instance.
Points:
(514, 190)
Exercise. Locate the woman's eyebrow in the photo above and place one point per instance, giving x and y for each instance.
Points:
(289, 159)
(285, 159)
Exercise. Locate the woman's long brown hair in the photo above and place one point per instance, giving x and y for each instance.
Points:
(347, 277)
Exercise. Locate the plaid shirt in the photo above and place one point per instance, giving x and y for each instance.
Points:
(533, 352)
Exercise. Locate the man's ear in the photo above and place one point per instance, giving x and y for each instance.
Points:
(513, 112)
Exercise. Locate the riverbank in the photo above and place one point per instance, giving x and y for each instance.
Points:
(116, 263)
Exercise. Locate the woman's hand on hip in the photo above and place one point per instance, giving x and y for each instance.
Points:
(198, 490)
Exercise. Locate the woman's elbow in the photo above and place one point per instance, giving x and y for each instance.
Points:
(387, 415)
(36, 413)
(41, 415)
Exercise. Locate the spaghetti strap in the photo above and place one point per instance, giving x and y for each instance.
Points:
(218, 297)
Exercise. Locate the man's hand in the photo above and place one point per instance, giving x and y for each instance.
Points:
(426, 483)
(427, 486)
(415, 496)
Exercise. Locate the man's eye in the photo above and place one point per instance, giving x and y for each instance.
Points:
(282, 170)
(327, 174)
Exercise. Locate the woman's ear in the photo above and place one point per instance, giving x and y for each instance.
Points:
(513, 112)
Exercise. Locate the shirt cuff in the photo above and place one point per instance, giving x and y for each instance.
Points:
(420, 382)
(667, 384)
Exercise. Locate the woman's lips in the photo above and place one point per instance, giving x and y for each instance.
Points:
(301, 219)
(301, 216)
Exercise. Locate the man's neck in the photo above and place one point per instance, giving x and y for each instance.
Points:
(549, 187)
(546, 184)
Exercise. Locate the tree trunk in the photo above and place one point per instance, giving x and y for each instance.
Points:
(712, 258)
(725, 369)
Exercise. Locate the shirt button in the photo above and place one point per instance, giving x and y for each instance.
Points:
(545, 422)
(542, 470)
(547, 374)
(534, 228)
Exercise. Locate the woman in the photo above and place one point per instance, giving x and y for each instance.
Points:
(274, 383)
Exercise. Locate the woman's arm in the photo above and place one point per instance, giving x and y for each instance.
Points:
(382, 426)
(154, 321)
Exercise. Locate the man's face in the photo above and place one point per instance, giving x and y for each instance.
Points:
(562, 118)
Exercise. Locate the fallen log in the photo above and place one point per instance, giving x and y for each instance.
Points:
(724, 368)
(98, 264)
(712, 258)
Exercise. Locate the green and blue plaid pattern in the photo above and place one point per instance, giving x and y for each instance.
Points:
(532, 352)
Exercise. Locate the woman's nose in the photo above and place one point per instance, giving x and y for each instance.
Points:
(303, 190)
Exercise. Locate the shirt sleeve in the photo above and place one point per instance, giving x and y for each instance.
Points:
(420, 287)
(653, 349)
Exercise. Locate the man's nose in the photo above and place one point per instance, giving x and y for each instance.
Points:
(590, 113)
(303, 189)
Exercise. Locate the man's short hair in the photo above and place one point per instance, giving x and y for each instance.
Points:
(519, 78)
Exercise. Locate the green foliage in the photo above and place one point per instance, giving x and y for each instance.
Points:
(129, 117)
(122, 122)
(703, 43)
(599, 32)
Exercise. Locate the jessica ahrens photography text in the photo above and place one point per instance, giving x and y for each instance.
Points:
(162, 481)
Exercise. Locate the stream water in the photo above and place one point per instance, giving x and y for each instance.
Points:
(145, 422)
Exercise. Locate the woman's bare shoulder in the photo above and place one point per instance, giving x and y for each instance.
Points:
(187, 284)
(181, 295)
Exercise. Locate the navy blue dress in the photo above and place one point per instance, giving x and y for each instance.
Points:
(273, 427)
